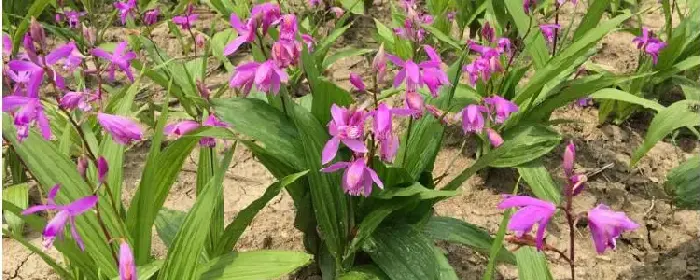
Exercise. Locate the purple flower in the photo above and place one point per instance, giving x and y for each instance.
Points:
(501, 106)
(102, 169)
(66, 213)
(286, 52)
(426, 73)
(288, 27)
(122, 129)
(150, 17)
(487, 32)
(549, 31)
(246, 34)
(126, 9)
(82, 165)
(532, 211)
(203, 89)
(212, 120)
(119, 58)
(504, 45)
(36, 32)
(6, 45)
(127, 265)
(357, 82)
(357, 178)
(244, 77)
(185, 21)
(607, 225)
(314, 3)
(21, 81)
(414, 104)
(495, 138)
(77, 99)
(384, 132)
(339, 12)
(27, 112)
(379, 63)
(266, 76)
(578, 183)
(309, 41)
(411, 29)
(73, 18)
(176, 130)
(568, 158)
(528, 5)
(653, 49)
(647, 36)
(347, 126)
(451, 16)
(67, 55)
(265, 14)
(583, 102)
(473, 118)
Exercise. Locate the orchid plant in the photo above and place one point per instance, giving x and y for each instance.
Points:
(358, 163)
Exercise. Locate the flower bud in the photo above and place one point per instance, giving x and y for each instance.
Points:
(89, 34)
(494, 137)
(102, 169)
(487, 32)
(82, 166)
(578, 183)
(200, 40)
(357, 82)
(36, 31)
(203, 89)
(568, 159)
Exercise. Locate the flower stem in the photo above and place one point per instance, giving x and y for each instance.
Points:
(570, 221)
(556, 30)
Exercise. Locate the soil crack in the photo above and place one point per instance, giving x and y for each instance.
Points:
(15, 273)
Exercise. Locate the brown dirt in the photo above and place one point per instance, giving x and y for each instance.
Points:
(666, 246)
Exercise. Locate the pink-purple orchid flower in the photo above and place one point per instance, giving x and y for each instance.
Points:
(246, 34)
(186, 20)
(357, 178)
(265, 15)
(266, 76)
(532, 211)
(384, 133)
(126, 10)
(473, 118)
(607, 225)
(120, 58)
(127, 265)
(66, 214)
(28, 111)
(549, 31)
(356, 81)
(78, 99)
(500, 107)
(428, 73)
(150, 17)
(348, 127)
(122, 129)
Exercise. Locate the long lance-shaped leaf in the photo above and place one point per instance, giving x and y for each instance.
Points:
(403, 253)
(534, 44)
(532, 265)
(541, 183)
(253, 265)
(181, 262)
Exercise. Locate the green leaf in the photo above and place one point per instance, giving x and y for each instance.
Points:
(256, 265)
(520, 140)
(594, 13)
(35, 10)
(385, 34)
(354, 6)
(616, 94)
(218, 42)
(415, 189)
(532, 265)
(686, 64)
(530, 143)
(541, 183)
(458, 231)
(168, 223)
(683, 183)
(329, 201)
(190, 239)
(49, 167)
(534, 43)
(443, 37)
(262, 122)
(691, 89)
(343, 53)
(403, 253)
(372, 220)
(446, 271)
(235, 229)
(679, 114)
(325, 94)
(324, 45)
(19, 196)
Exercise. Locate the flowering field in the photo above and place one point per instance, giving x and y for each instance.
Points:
(350, 139)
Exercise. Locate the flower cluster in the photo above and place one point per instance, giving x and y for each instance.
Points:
(605, 224)
(489, 60)
(497, 110)
(269, 75)
(178, 129)
(412, 29)
(652, 46)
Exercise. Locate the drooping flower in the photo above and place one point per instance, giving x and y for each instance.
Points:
(338, 11)
(127, 265)
(150, 17)
(73, 18)
(384, 132)
(122, 129)
(268, 77)
(28, 111)
(495, 138)
(176, 130)
(357, 178)
(6, 45)
(504, 45)
(348, 127)
(200, 40)
(244, 77)
(473, 118)
(286, 52)
(288, 27)
(607, 225)
(549, 31)
(528, 5)
(309, 41)
(501, 107)
(119, 58)
(102, 169)
(246, 34)
(532, 211)
(414, 104)
(412, 29)
(265, 15)
(487, 32)
(357, 82)
(126, 9)
(82, 165)
(212, 120)
(379, 63)
(78, 99)
(653, 49)
(187, 20)
(66, 214)
(36, 32)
